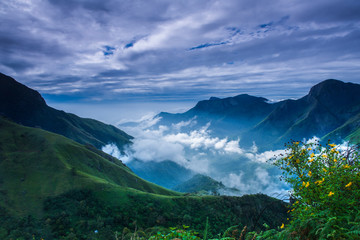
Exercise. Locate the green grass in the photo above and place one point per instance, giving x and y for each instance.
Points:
(349, 131)
(36, 164)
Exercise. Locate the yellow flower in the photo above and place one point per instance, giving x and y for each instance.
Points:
(309, 173)
(335, 160)
(307, 184)
(312, 155)
(324, 156)
(330, 194)
(311, 160)
(296, 143)
(332, 145)
(303, 183)
(344, 159)
(324, 170)
(349, 184)
(282, 226)
(320, 181)
(309, 149)
(346, 166)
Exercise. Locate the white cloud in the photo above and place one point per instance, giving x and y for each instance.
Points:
(52, 41)
(265, 156)
(312, 140)
(154, 149)
(199, 151)
(114, 151)
(182, 124)
(201, 139)
(259, 182)
(221, 158)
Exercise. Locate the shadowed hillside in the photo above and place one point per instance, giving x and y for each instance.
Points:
(26, 106)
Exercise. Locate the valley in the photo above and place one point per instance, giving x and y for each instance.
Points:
(56, 183)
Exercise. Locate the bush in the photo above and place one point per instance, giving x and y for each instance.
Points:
(325, 198)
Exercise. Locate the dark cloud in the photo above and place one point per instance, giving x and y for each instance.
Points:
(163, 49)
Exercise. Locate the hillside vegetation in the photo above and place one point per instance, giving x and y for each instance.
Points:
(55, 188)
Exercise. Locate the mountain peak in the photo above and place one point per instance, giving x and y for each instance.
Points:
(213, 98)
(17, 99)
(26, 106)
(335, 91)
(326, 86)
(12, 90)
(229, 102)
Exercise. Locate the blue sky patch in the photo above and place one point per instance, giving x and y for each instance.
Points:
(108, 50)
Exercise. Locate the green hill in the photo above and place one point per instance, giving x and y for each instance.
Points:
(27, 107)
(36, 164)
(54, 188)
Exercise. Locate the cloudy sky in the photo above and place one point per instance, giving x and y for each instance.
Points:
(83, 55)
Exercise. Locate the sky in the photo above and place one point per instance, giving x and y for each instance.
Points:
(118, 60)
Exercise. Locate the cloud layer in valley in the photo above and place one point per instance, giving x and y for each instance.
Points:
(170, 50)
(200, 151)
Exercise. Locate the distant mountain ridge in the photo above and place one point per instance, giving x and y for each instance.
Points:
(325, 111)
(205, 185)
(27, 107)
(238, 113)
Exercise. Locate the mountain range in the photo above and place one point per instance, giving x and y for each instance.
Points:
(331, 109)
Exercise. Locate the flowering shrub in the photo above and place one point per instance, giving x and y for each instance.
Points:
(326, 191)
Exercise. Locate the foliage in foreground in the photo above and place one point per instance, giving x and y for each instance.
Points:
(326, 191)
(325, 200)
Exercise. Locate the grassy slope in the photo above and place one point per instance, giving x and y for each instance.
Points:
(350, 129)
(35, 164)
